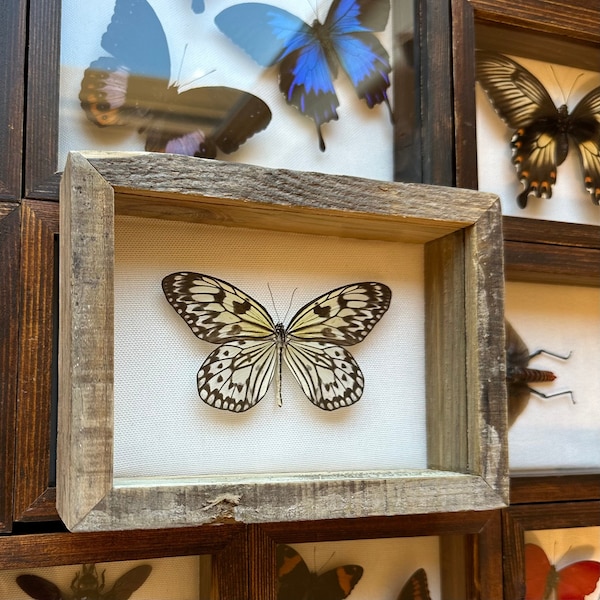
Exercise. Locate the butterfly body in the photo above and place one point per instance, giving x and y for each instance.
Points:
(542, 579)
(519, 375)
(131, 87)
(297, 582)
(543, 132)
(309, 56)
(238, 373)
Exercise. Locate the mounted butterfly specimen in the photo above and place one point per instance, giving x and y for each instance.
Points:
(416, 588)
(87, 585)
(239, 372)
(296, 582)
(573, 582)
(309, 56)
(519, 375)
(131, 88)
(543, 132)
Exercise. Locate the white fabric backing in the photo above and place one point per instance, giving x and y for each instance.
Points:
(162, 428)
(555, 433)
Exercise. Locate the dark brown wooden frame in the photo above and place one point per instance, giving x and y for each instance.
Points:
(518, 519)
(551, 252)
(571, 487)
(432, 58)
(227, 545)
(13, 43)
(9, 331)
(471, 562)
(34, 498)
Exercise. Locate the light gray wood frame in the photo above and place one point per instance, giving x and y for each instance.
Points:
(464, 297)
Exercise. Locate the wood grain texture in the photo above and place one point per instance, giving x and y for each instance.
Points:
(43, 68)
(468, 556)
(223, 547)
(9, 331)
(12, 102)
(530, 489)
(177, 187)
(34, 496)
(518, 519)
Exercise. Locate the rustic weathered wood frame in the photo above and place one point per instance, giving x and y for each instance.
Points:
(10, 215)
(222, 549)
(470, 560)
(520, 518)
(464, 338)
(544, 251)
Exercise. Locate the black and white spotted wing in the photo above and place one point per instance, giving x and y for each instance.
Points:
(238, 373)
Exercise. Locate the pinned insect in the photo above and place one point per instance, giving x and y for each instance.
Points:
(86, 585)
(519, 375)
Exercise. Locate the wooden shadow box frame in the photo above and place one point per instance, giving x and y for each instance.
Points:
(535, 250)
(527, 517)
(466, 405)
(470, 557)
(222, 550)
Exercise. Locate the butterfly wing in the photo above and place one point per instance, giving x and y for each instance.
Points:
(236, 375)
(39, 588)
(362, 56)
(416, 588)
(292, 573)
(585, 130)
(128, 583)
(538, 570)
(539, 143)
(116, 90)
(327, 372)
(578, 580)
(517, 357)
(200, 120)
(336, 584)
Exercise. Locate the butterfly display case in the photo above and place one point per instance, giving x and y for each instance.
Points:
(177, 564)
(557, 49)
(256, 465)
(552, 546)
(417, 557)
(150, 74)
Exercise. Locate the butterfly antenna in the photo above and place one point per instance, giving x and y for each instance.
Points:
(287, 312)
(572, 86)
(555, 395)
(548, 353)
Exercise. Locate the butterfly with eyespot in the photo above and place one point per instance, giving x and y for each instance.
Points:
(573, 582)
(131, 87)
(416, 588)
(543, 132)
(309, 55)
(87, 585)
(237, 375)
(519, 375)
(296, 582)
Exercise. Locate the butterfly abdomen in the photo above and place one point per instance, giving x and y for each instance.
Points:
(526, 375)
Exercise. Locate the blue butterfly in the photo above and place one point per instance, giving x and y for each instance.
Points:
(309, 55)
(131, 87)
(198, 6)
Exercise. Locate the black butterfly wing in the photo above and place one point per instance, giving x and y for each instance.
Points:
(416, 588)
(585, 130)
(539, 143)
(121, 89)
(128, 583)
(200, 121)
(39, 588)
(296, 582)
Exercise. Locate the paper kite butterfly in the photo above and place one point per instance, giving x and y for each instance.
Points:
(573, 582)
(131, 87)
(416, 588)
(543, 132)
(238, 373)
(296, 582)
(519, 375)
(87, 585)
(309, 55)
